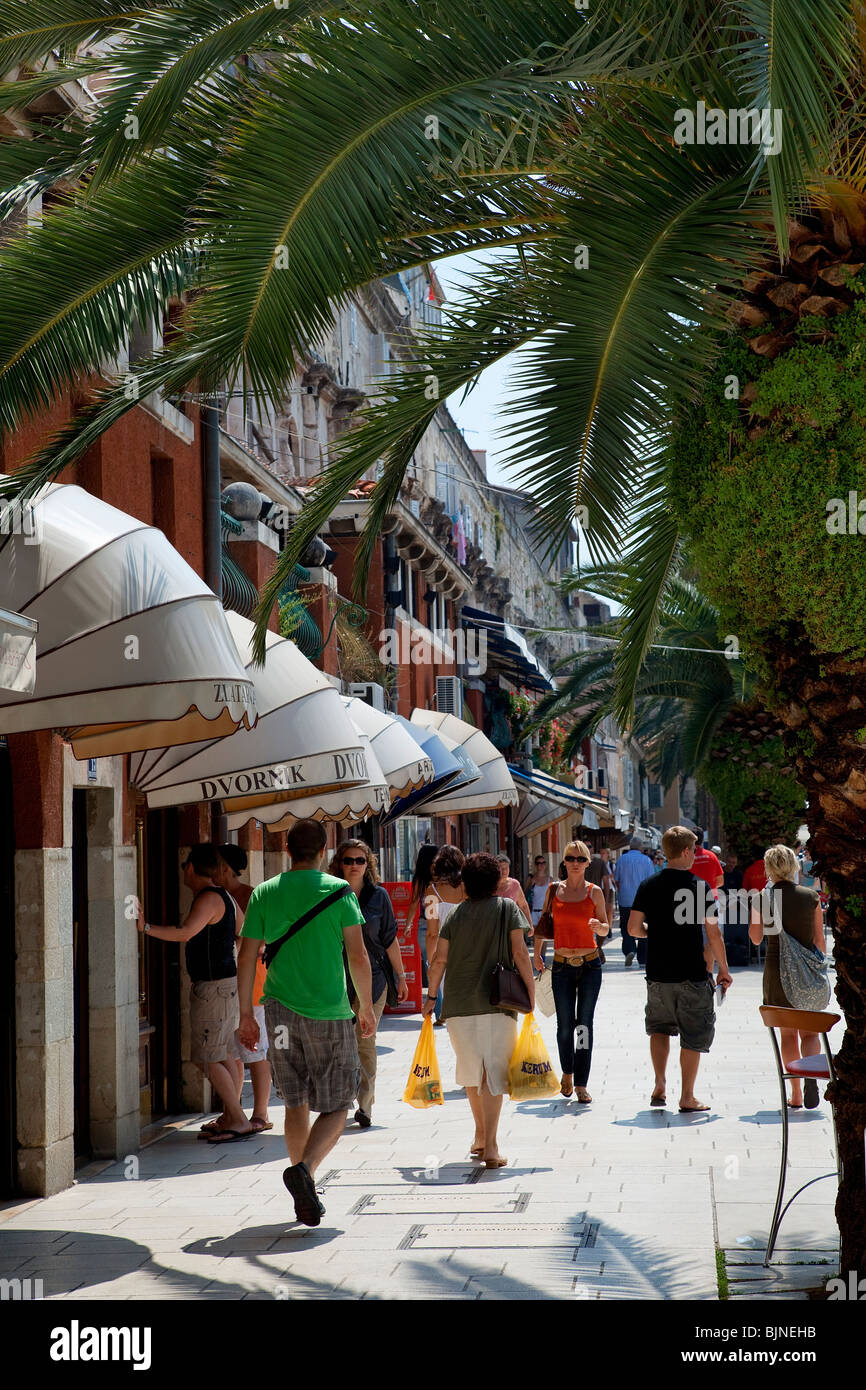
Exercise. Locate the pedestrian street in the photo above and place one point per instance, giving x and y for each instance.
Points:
(606, 1201)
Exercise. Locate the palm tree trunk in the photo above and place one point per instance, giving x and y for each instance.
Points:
(825, 716)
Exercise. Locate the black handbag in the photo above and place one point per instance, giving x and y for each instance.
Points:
(507, 986)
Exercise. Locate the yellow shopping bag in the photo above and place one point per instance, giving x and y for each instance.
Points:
(424, 1086)
(530, 1071)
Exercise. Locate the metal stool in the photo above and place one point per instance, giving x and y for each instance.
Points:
(821, 1068)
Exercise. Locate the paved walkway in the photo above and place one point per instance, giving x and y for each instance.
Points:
(610, 1201)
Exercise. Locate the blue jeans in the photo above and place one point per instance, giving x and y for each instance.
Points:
(575, 992)
(422, 942)
(631, 945)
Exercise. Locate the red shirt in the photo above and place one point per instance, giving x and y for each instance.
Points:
(755, 877)
(707, 867)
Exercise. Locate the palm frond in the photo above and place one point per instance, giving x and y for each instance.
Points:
(794, 61)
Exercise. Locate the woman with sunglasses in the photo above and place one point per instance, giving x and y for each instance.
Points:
(579, 916)
(356, 863)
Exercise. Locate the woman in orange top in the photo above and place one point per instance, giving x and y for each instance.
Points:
(579, 916)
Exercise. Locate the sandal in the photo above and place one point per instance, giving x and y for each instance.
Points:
(495, 1162)
(259, 1125)
(231, 1136)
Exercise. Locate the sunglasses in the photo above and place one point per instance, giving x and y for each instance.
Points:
(347, 862)
(576, 859)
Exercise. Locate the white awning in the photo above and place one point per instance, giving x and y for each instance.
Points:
(133, 650)
(304, 741)
(405, 764)
(17, 653)
(537, 813)
(493, 789)
(346, 806)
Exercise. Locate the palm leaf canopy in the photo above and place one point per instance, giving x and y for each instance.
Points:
(273, 159)
(684, 687)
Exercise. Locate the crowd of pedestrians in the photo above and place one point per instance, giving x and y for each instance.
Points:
(290, 979)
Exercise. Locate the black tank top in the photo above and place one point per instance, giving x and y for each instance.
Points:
(210, 954)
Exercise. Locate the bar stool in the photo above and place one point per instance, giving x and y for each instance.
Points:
(821, 1068)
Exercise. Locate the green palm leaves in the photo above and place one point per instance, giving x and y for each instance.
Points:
(274, 157)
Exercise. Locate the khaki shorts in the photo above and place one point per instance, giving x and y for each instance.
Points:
(213, 1017)
(685, 1008)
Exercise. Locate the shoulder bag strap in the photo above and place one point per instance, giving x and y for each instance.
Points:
(505, 956)
(274, 946)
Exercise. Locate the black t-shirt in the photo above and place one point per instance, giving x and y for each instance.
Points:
(210, 954)
(675, 904)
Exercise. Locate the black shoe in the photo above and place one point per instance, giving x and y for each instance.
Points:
(363, 1119)
(308, 1208)
(629, 960)
(811, 1098)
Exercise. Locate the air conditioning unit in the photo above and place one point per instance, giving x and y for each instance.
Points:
(369, 692)
(449, 695)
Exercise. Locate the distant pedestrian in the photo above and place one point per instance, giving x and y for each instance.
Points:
(670, 911)
(799, 912)
(598, 872)
(233, 862)
(447, 889)
(208, 931)
(483, 1036)
(510, 888)
(536, 887)
(755, 876)
(354, 861)
(579, 918)
(706, 864)
(632, 868)
(422, 898)
(733, 874)
(307, 918)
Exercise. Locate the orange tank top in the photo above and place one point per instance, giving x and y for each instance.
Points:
(571, 929)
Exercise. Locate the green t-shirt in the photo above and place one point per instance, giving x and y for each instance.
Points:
(307, 973)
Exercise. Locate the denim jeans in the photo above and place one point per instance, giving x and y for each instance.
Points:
(631, 945)
(422, 942)
(575, 992)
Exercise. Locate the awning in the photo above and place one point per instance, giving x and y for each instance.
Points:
(537, 813)
(494, 788)
(406, 766)
(133, 650)
(304, 741)
(508, 649)
(347, 805)
(448, 771)
(17, 653)
(549, 788)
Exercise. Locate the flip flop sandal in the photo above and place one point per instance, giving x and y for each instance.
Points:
(693, 1109)
(658, 1100)
(308, 1208)
(260, 1125)
(495, 1162)
(212, 1127)
(231, 1136)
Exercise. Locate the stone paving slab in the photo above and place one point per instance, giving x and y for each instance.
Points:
(610, 1201)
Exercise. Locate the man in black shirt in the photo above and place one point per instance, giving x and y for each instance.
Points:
(671, 910)
(208, 932)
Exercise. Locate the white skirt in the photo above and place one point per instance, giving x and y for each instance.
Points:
(483, 1043)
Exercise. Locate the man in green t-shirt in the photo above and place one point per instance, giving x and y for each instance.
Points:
(311, 1027)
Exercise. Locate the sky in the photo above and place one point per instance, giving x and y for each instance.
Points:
(477, 415)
